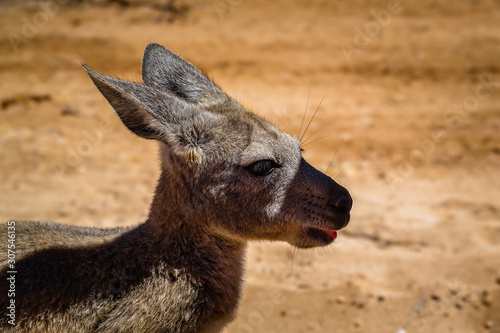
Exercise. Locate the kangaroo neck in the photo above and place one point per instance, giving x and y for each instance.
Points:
(187, 242)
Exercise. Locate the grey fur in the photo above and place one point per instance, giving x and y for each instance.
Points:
(181, 270)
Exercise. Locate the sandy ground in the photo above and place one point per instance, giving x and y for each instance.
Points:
(408, 99)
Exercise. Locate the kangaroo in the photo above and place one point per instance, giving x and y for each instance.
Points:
(227, 177)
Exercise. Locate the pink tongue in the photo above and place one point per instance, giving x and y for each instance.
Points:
(332, 234)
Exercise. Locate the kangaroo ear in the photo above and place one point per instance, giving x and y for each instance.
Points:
(155, 114)
(164, 70)
(144, 110)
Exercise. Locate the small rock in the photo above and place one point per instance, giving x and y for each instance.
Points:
(283, 313)
(360, 305)
(69, 111)
(488, 325)
(381, 297)
(63, 213)
(486, 299)
(358, 323)
(304, 286)
(458, 306)
(340, 299)
(498, 280)
(435, 297)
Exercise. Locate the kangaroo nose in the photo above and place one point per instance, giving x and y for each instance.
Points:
(343, 203)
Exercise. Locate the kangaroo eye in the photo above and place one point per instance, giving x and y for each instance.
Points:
(262, 168)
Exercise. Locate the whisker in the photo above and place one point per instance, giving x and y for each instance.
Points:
(310, 136)
(336, 151)
(314, 115)
(349, 181)
(305, 111)
(295, 250)
(320, 138)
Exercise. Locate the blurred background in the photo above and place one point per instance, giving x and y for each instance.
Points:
(407, 95)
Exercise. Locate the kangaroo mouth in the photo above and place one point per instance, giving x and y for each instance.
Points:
(324, 236)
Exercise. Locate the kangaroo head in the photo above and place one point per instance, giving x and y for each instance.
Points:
(239, 175)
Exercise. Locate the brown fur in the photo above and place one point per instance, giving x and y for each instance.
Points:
(227, 177)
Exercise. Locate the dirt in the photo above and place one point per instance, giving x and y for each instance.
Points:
(407, 95)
